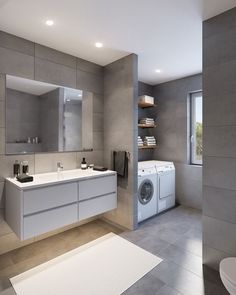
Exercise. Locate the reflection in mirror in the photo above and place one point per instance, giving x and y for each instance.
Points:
(42, 117)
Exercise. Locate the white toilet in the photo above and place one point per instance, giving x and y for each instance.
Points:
(228, 274)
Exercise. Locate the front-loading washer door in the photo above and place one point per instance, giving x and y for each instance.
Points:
(145, 192)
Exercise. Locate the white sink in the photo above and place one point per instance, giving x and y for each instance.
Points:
(62, 176)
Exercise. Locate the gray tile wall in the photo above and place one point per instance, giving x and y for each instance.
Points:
(172, 118)
(120, 132)
(219, 105)
(29, 60)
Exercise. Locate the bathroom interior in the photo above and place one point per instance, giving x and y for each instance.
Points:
(117, 154)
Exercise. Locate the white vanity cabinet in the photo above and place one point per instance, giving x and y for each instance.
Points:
(42, 206)
(96, 196)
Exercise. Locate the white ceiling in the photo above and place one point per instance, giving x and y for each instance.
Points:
(166, 34)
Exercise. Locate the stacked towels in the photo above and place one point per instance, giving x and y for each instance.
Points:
(149, 140)
(140, 141)
(147, 121)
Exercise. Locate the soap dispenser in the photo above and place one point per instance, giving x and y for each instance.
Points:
(83, 164)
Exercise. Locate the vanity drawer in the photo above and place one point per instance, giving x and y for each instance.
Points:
(97, 206)
(97, 187)
(43, 222)
(44, 198)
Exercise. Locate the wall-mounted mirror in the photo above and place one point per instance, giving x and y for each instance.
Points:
(42, 117)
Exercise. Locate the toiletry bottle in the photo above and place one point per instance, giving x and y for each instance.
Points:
(25, 167)
(16, 169)
(83, 164)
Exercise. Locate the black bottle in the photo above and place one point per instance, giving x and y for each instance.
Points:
(25, 167)
(16, 169)
(83, 164)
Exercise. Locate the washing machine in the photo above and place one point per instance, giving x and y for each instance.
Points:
(166, 185)
(147, 191)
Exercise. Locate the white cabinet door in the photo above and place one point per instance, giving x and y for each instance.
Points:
(91, 188)
(167, 184)
(53, 196)
(97, 206)
(43, 222)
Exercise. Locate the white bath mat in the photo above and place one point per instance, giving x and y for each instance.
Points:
(106, 266)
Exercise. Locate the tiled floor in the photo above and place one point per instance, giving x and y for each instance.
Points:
(174, 236)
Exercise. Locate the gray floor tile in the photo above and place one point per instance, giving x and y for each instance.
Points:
(175, 236)
(183, 258)
(166, 290)
(148, 285)
(192, 245)
(152, 244)
(178, 278)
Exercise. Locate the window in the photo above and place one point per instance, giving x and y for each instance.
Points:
(196, 128)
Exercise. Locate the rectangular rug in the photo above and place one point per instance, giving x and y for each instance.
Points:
(106, 266)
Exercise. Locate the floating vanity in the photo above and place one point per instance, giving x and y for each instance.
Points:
(57, 199)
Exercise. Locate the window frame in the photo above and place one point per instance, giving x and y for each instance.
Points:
(192, 139)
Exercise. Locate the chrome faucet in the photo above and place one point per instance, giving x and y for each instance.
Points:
(59, 167)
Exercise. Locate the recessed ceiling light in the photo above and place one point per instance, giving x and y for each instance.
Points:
(98, 44)
(158, 71)
(79, 95)
(49, 22)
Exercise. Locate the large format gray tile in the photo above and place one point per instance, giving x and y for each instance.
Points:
(219, 172)
(213, 82)
(47, 162)
(2, 87)
(97, 103)
(189, 191)
(97, 121)
(184, 258)
(55, 56)
(90, 67)
(178, 278)
(166, 290)
(2, 114)
(219, 234)
(148, 285)
(98, 140)
(220, 141)
(47, 71)
(2, 141)
(16, 63)
(94, 157)
(219, 24)
(219, 48)
(89, 82)
(2, 191)
(16, 43)
(193, 245)
(216, 113)
(227, 200)
(212, 257)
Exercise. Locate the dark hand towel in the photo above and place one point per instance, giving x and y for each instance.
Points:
(120, 163)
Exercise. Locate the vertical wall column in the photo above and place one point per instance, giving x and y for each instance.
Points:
(219, 165)
(172, 133)
(121, 131)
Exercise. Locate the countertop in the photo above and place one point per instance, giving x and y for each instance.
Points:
(52, 178)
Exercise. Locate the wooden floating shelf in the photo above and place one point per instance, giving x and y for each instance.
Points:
(145, 147)
(146, 105)
(146, 126)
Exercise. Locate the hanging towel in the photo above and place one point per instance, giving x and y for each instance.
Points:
(121, 163)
